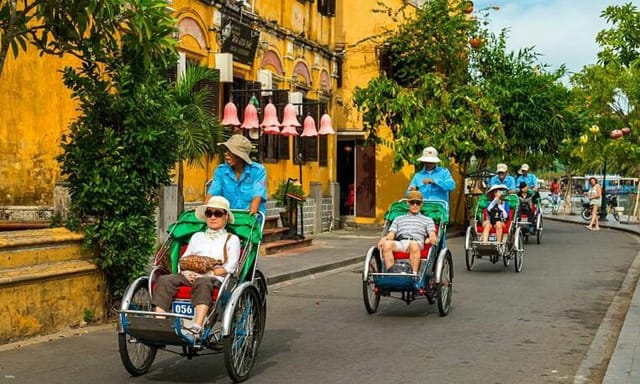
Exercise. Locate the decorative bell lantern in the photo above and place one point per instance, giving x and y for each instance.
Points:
(290, 116)
(230, 115)
(309, 127)
(325, 125)
(270, 123)
(251, 122)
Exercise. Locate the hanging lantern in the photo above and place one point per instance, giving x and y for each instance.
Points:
(270, 121)
(325, 125)
(230, 115)
(250, 117)
(309, 127)
(290, 117)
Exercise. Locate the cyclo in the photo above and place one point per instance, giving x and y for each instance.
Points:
(511, 247)
(433, 281)
(235, 322)
(534, 226)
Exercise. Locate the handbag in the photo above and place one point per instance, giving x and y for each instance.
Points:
(202, 264)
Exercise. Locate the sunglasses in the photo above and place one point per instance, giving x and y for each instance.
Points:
(218, 213)
(415, 202)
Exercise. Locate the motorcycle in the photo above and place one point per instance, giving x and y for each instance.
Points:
(612, 201)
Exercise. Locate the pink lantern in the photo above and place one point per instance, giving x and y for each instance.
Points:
(325, 125)
(250, 117)
(289, 131)
(230, 115)
(290, 117)
(626, 131)
(309, 127)
(616, 134)
(270, 121)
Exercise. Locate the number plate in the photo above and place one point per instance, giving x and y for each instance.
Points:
(492, 237)
(182, 308)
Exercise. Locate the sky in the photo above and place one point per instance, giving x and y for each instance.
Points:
(562, 31)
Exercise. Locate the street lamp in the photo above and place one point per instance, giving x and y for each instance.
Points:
(615, 134)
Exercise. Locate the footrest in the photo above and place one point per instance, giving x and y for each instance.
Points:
(152, 330)
(395, 281)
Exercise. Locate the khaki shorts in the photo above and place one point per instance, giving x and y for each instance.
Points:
(403, 245)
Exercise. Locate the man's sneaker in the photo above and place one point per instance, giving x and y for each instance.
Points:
(394, 269)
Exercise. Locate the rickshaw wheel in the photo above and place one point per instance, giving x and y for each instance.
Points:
(370, 296)
(518, 251)
(539, 230)
(261, 284)
(241, 345)
(136, 356)
(444, 287)
(470, 254)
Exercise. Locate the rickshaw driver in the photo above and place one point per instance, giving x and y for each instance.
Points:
(433, 181)
(408, 233)
(501, 177)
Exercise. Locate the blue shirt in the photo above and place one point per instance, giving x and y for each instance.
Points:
(443, 183)
(530, 179)
(509, 181)
(252, 183)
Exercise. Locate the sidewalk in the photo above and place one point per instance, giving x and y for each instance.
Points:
(624, 365)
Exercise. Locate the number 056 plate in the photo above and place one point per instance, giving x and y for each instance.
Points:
(182, 308)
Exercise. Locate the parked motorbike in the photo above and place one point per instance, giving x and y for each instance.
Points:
(612, 201)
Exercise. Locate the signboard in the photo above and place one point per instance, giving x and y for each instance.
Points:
(240, 40)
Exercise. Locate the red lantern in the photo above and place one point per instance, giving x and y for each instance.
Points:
(626, 131)
(325, 125)
(616, 134)
(475, 42)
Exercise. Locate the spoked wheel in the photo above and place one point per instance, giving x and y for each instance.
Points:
(369, 294)
(539, 229)
(445, 285)
(241, 345)
(136, 356)
(506, 257)
(261, 284)
(518, 251)
(470, 253)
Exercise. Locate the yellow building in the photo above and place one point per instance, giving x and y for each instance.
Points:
(299, 51)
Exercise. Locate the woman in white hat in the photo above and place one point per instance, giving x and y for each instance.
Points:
(216, 249)
(241, 181)
(497, 213)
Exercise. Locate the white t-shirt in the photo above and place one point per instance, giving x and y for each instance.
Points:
(202, 244)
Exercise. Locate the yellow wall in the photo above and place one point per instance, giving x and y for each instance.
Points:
(35, 108)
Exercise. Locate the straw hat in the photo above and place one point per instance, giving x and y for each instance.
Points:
(215, 202)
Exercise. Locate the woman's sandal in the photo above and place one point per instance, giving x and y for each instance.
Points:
(588, 227)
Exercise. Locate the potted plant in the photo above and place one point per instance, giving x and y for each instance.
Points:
(285, 187)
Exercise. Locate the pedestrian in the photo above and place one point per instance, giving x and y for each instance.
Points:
(503, 178)
(433, 181)
(595, 199)
(239, 179)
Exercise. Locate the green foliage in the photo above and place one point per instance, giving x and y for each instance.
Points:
(279, 194)
(620, 44)
(123, 145)
(89, 315)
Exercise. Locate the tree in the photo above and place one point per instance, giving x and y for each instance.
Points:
(125, 142)
(200, 130)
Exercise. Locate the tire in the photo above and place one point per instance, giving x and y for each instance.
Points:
(136, 356)
(444, 289)
(261, 284)
(616, 216)
(518, 251)
(539, 223)
(470, 254)
(370, 296)
(585, 214)
(241, 345)
(547, 205)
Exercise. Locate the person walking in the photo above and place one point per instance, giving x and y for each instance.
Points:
(595, 199)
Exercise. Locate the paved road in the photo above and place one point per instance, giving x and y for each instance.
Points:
(504, 327)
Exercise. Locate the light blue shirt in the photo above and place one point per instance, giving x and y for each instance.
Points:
(530, 179)
(252, 183)
(443, 183)
(509, 181)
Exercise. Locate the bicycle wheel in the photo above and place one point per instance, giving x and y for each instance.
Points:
(136, 356)
(241, 345)
(547, 205)
(369, 294)
(445, 285)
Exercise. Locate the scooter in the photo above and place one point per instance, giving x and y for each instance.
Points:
(612, 201)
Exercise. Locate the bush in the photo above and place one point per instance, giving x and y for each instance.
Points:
(278, 195)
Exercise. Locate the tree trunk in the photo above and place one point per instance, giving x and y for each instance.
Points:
(180, 197)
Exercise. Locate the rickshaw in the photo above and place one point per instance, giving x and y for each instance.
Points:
(433, 281)
(534, 227)
(512, 245)
(235, 323)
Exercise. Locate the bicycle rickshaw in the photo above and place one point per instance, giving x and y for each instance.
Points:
(533, 227)
(235, 322)
(433, 281)
(511, 247)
